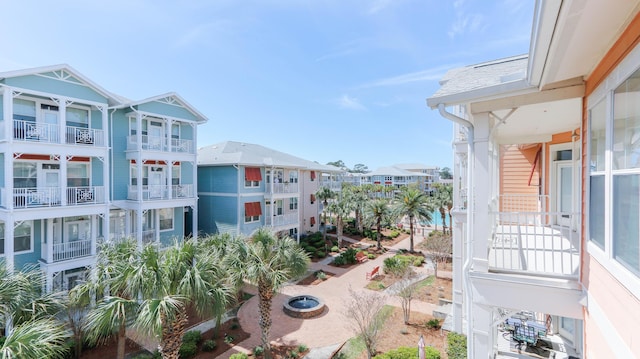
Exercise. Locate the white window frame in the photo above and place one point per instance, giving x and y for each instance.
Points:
(605, 90)
(173, 219)
(293, 176)
(30, 250)
(251, 219)
(293, 203)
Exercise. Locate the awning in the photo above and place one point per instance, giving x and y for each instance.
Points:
(313, 175)
(313, 198)
(313, 220)
(252, 174)
(252, 209)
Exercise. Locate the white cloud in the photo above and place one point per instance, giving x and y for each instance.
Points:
(433, 74)
(351, 103)
(465, 21)
(379, 5)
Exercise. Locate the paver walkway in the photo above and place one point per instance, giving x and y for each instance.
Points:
(330, 329)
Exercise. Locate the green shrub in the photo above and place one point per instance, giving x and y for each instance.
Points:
(409, 353)
(302, 348)
(350, 255)
(433, 324)
(321, 254)
(258, 350)
(396, 265)
(293, 354)
(234, 326)
(228, 339)
(371, 256)
(188, 350)
(194, 336)
(209, 345)
(239, 356)
(339, 260)
(394, 234)
(143, 356)
(456, 346)
(321, 275)
(335, 249)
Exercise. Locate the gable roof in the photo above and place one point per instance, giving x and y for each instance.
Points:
(167, 97)
(248, 154)
(62, 68)
(484, 80)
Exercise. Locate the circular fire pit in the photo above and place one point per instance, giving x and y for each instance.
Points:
(304, 306)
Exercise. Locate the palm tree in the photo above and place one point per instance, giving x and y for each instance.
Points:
(413, 203)
(268, 263)
(39, 338)
(358, 199)
(341, 208)
(443, 201)
(376, 211)
(324, 194)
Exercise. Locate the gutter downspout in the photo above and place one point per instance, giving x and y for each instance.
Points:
(470, 210)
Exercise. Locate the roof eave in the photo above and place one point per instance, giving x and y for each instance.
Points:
(482, 93)
(545, 17)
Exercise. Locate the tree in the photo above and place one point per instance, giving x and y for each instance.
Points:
(359, 168)
(413, 203)
(445, 173)
(341, 208)
(338, 164)
(38, 338)
(377, 211)
(438, 249)
(268, 263)
(363, 311)
(358, 199)
(324, 194)
(443, 200)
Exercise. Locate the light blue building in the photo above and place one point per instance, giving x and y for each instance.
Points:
(243, 186)
(80, 165)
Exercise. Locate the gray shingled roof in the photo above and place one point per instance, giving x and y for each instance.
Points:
(248, 154)
(393, 171)
(480, 76)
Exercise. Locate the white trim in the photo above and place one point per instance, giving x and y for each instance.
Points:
(616, 344)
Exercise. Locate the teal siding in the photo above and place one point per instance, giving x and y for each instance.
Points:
(166, 237)
(64, 88)
(96, 119)
(186, 172)
(217, 214)
(31, 258)
(218, 179)
(186, 132)
(97, 172)
(167, 110)
(120, 165)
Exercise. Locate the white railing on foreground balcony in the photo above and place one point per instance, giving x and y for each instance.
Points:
(35, 131)
(281, 220)
(157, 143)
(535, 243)
(85, 136)
(71, 250)
(51, 196)
(282, 188)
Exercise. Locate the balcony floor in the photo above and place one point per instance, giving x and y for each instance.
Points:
(550, 250)
(554, 346)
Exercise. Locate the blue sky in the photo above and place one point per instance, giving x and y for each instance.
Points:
(323, 80)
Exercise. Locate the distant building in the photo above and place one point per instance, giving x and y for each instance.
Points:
(243, 186)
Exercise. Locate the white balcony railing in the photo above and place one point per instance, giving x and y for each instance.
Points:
(71, 250)
(158, 143)
(282, 188)
(157, 192)
(281, 220)
(332, 185)
(52, 196)
(534, 242)
(34, 131)
(85, 136)
(148, 236)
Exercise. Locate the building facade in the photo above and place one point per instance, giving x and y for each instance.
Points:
(546, 185)
(243, 187)
(71, 154)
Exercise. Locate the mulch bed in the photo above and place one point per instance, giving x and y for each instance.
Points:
(109, 350)
(226, 330)
(312, 278)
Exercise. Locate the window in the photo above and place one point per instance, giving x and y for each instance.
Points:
(252, 177)
(293, 203)
(24, 110)
(293, 232)
(175, 131)
(22, 240)
(175, 174)
(166, 219)
(252, 212)
(78, 174)
(25, 174)
(293, 176)
(77, 117)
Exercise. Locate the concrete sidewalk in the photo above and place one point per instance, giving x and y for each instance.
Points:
(329, 330)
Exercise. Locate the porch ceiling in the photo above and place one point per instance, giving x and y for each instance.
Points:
(582, 32)
(537, 122)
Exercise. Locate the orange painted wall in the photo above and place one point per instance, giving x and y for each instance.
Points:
(621, 307)
(516, 164)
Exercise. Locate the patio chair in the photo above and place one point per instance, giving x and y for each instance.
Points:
(361, 257)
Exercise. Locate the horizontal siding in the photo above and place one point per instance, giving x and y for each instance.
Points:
(58, 87)
(166, 237)
(215, 179)
(217, 214)
(515, 169)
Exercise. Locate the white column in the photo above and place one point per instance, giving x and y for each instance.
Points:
(105, 124)
(139, 159)
(169, 179)
(7, 105)
(481, 336)
(62, 120)
(50, 235)
(483, 189)
(167, 135)
(8, 243)
(194, 208)
(156, 225)
(106, 228)
(94, 234)
(139, 214)
(63, 180)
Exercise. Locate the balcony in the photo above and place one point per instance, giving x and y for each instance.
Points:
(71, 250)
(280, 188)
(157, 192)
(158, 143)
(281, 220)
(50, 133)
(529, 240)
(332, 185)
(38, 197)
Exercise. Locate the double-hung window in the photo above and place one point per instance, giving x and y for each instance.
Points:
(22, 239)
(166, 219)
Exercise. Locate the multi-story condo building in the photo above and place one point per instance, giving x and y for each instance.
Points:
(243, 186)
(432, 174)
(72, 154)
(547, 185)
